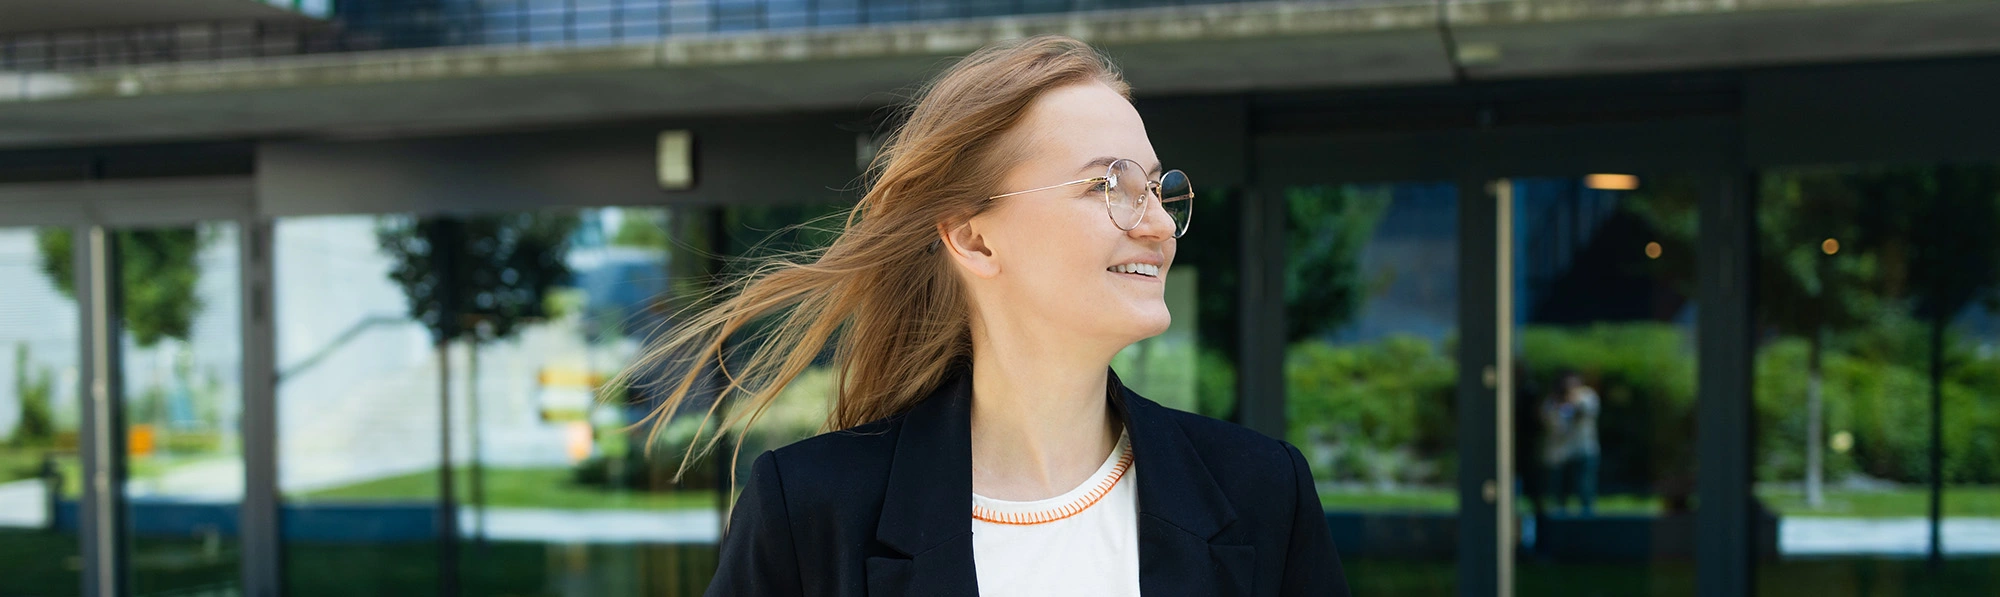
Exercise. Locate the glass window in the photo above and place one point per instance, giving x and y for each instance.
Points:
(752, 233)
(1604, 401)
(1371, 314)
(40, 411)
(183, 372)
(1192, 366)
(1877, 298)
(551, 485)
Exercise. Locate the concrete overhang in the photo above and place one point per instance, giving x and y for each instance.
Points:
(56, 15)
(1184, 50)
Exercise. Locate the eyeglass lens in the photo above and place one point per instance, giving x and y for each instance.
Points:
(1126, 196)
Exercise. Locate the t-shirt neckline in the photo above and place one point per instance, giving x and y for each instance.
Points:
(1106, 472)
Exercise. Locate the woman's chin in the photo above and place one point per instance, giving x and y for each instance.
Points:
(1149, 323)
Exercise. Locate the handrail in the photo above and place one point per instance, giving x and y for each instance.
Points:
(362, 26)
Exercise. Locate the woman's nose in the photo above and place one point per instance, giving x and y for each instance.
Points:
(1156, 223)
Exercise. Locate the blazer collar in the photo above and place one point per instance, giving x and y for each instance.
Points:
(927, 512)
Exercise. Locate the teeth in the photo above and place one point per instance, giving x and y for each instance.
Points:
(1143, 269)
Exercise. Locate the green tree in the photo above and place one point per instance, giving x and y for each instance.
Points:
(1941, 219)
(1328, 229)
(476, 279)
(1210, 249)
(158, 269)
(643, 228)
(35, 388)
(1809, 284)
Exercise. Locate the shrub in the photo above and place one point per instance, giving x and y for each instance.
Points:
(1881, 397)
(1378, 411)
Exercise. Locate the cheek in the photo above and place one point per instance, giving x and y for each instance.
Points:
(1059, 248)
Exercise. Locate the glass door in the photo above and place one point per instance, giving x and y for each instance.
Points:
(40, 415)
(1370, 371)
(1596, 418)
(181, 366)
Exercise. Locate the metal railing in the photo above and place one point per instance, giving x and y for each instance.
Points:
(384, 24)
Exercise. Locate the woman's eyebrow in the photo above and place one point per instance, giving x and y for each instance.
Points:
(1105, 162)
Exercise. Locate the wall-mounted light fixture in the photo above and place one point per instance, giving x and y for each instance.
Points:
(1612, 182)
(676, 167)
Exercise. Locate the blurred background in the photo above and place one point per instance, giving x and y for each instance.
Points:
(1558, 297)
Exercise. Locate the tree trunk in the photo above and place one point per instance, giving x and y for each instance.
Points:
(478, 476)
(1938, 323)
(1815, 424)
(447, 509)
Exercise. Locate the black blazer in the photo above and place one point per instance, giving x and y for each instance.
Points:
(885, 509)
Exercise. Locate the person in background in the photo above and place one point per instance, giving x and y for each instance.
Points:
(1569, 445)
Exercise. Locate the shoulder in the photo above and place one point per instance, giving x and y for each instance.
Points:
(1236, 455)
(840, 454)
(836, 468)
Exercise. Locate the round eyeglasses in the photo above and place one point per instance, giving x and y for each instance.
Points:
(1125, 188)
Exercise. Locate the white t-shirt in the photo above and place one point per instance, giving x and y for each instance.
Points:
(1083, 542)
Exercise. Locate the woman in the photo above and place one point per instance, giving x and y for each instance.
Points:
(1016, 236)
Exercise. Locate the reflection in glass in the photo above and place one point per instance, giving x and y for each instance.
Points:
(182, 366)
(39, 415)
(1605, 383)
(183, 396)
(519, 318)
(1192, 366)
(1877, 300)
(1371, 311)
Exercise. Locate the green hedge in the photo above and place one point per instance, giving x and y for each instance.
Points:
(1378, 412)
(1885, 406)
(1382, 411)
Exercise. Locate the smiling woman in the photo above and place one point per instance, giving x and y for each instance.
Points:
(1018, 233)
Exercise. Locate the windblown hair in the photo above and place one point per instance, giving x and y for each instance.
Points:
(895, 312)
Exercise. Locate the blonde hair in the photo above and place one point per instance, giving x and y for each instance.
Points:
(894, 310)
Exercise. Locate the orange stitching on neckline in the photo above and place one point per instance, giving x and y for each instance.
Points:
(1064, 511)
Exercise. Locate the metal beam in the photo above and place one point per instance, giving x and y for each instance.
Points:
(1726, 520)
(1500, 490)
(102, 440)
(258, 526)
(1260, 381)
(1478, 379)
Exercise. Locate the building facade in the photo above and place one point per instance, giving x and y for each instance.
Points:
(1557, 296)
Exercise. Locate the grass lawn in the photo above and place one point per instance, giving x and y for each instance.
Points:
(1972, 500)
(34, 563)
(1819, 577)
(37, 564)
(1964, 500)
(517, 488)
(18, 465)
(1444, 500)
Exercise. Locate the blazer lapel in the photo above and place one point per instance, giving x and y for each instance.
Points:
(927, 513)
(1182, 511)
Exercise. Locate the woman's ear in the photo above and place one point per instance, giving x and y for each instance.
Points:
(968, 248)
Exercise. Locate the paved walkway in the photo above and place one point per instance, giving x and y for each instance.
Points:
(598, 526)
(1906, 536)
(23, 504)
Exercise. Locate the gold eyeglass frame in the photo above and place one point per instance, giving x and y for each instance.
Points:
(1152, 190)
